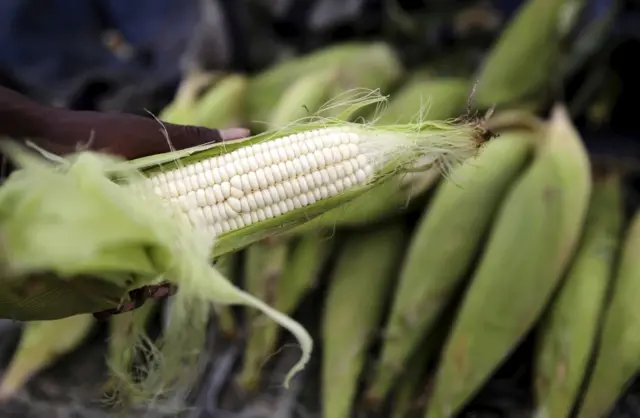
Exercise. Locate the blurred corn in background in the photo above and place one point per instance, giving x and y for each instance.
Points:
(501, 287)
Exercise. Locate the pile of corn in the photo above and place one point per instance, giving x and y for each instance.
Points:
(431, 282)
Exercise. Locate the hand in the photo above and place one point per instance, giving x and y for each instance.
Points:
(64, 131)
(129, 136)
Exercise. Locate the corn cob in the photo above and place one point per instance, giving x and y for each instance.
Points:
(41, 344)
(523, 64)
(529, 245)
(442, 248)
(569, 333)
(616, 362)
(354, 306)
(297, 271)
(242, 191)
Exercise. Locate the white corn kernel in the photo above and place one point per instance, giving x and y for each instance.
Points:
(265, 180)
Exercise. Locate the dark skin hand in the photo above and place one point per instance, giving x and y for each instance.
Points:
(64, 131)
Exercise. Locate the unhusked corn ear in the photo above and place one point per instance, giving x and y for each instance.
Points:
(535, 233)
(41, 344)
(228, 266)
(434, 97)
(411, 390)
(361, 279)
(264, 264)
(358, 65)
(266, 88)
(287, 180)
(181, 108)
(617, 360)
(304, 97)
(524, 63)
(569, 332)
(444, 244)
(296, 273)
(223, 105)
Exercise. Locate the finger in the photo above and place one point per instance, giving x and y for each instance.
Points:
(185, 136)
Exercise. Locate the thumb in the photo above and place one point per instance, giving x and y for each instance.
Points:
(185, 136)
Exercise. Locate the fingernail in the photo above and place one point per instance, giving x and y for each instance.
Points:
(234, 133)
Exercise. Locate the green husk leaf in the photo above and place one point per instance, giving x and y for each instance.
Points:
(180, 110)
(264, 264)
(361, 280)
(617, 362)
(228, 266)
(568, 334)
(303, 98)
(223, 105)
(522, 67)
(350, 59)
(534, 236)
(42, 343)
(436, 97)
(443, 246)
(297, 271)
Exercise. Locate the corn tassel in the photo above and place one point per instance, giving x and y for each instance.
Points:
(362, 278)
(534, 236)
(569, 333)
